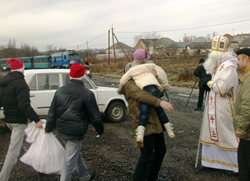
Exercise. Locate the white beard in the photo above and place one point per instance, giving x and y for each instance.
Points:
(216, 58)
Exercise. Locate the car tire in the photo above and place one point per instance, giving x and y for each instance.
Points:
(115, 112)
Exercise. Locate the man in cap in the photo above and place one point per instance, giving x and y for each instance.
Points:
(203, 88)
(72, 108)
(219, 143)
(89, 71)
(70, 64)
(242, 115)
(15, 99)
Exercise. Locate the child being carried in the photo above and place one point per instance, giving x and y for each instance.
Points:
(153, 79)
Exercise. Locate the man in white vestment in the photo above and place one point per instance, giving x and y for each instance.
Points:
(219, 143)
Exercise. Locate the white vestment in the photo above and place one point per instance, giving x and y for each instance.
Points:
(220, 144)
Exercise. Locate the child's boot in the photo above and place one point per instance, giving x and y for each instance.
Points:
(169, 130)
(139, 136)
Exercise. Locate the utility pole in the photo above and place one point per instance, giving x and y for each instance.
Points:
(121, 47)
(109, 47)
(113, 44)
(87, 48)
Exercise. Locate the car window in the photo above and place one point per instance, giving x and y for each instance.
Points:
(32, 84)
(65, 79)
(86, 84)
(44, 82)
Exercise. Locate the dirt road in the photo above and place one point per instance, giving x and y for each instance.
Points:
(114, 155)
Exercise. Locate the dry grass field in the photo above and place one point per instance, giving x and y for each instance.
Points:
(180, 73)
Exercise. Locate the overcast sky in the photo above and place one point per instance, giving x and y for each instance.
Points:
(70, 23)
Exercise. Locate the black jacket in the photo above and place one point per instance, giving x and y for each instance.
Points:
(204, 77)
(15, 99)
(72, 108)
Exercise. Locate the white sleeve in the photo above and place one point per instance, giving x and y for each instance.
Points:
(162, 77)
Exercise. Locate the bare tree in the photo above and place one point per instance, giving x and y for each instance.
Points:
(9, 44)
(147, 35)
(25, 50)
(50, 49)
(34, 51)
(14, 43)
(62, 49)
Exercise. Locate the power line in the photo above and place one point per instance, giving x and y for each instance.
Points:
(181, 29)
(97, 37)
(92, 40)
(175, 15)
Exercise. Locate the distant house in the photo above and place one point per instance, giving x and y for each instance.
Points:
(199, 45)
(165, 47)
(232, 43)
(240, 37)
(118, 47)
(175, 48)
(201, 39)
(165, 42)
(245, 43)
(147, 44)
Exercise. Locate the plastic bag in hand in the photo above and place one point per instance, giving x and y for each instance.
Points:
(31, 131)
(46, 154)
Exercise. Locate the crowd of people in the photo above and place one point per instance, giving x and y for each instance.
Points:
(225, 130)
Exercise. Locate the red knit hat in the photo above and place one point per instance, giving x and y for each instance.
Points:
(15, 65)
(77, 71)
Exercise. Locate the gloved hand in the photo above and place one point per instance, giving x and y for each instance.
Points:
(210, 83)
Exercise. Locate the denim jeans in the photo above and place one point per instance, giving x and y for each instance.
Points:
(16, 141)
(144, 108)
(73, 161)
(152, 155)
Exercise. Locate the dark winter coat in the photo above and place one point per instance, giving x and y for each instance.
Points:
(15, 99)
(204, 77)
(90, 71)
(72, 108)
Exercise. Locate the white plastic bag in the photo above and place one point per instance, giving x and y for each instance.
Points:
(31, 131)
(46, 154)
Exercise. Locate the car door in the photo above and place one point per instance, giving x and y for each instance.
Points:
(42, 90)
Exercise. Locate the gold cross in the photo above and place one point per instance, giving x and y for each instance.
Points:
(222, 67)
(212, 119)
(211, 98)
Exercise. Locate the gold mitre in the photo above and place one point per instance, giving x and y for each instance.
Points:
(220, 43)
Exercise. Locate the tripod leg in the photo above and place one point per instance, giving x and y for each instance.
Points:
(191, 92)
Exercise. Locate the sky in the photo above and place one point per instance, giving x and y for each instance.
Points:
(82, 24)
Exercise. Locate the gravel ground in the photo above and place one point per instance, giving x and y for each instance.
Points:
(114, 156)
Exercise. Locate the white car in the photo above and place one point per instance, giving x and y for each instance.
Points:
(44, 82)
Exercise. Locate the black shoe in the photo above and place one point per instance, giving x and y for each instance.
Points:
(92, 175)
(198, 109)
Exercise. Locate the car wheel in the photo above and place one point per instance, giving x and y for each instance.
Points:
(115, 112)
